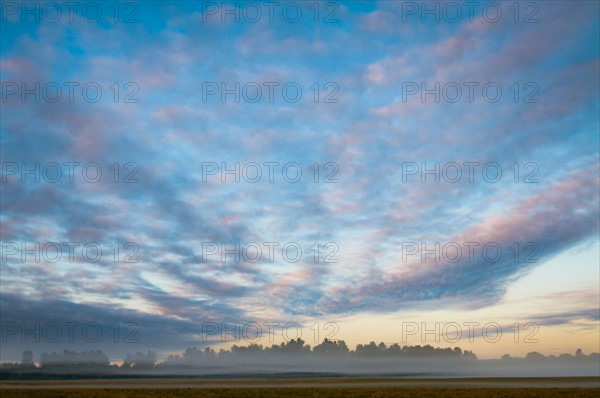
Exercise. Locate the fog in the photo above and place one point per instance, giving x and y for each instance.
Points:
(296, 360)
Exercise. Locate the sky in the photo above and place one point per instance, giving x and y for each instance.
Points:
(409, 172)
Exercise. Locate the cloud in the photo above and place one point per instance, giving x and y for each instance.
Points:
(368, 134)
(570, 203)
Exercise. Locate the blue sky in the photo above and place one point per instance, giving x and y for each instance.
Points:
(368, 138)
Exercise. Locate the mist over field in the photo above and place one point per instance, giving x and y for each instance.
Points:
(297, 360)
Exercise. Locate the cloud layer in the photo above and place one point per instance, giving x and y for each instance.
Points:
(156, 156)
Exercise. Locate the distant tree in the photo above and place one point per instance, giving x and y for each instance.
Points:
(27, 359)
(296, 346)
(140, 360)
(370, 350)
(534, 355)
(469, 355)
(579, 353)
(252, 349)
(565, 356)
(329, 347)
(394, 349)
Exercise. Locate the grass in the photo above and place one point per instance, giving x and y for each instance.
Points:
(374, 392)
(302, 388)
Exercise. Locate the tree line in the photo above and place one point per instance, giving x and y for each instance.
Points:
(295, 348)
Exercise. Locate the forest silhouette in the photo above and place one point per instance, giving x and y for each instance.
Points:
(292, 356)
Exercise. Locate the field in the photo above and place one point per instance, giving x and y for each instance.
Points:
(325, 388)
(309, 393)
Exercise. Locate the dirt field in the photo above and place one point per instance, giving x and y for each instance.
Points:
(326, 388)
(308, 393)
